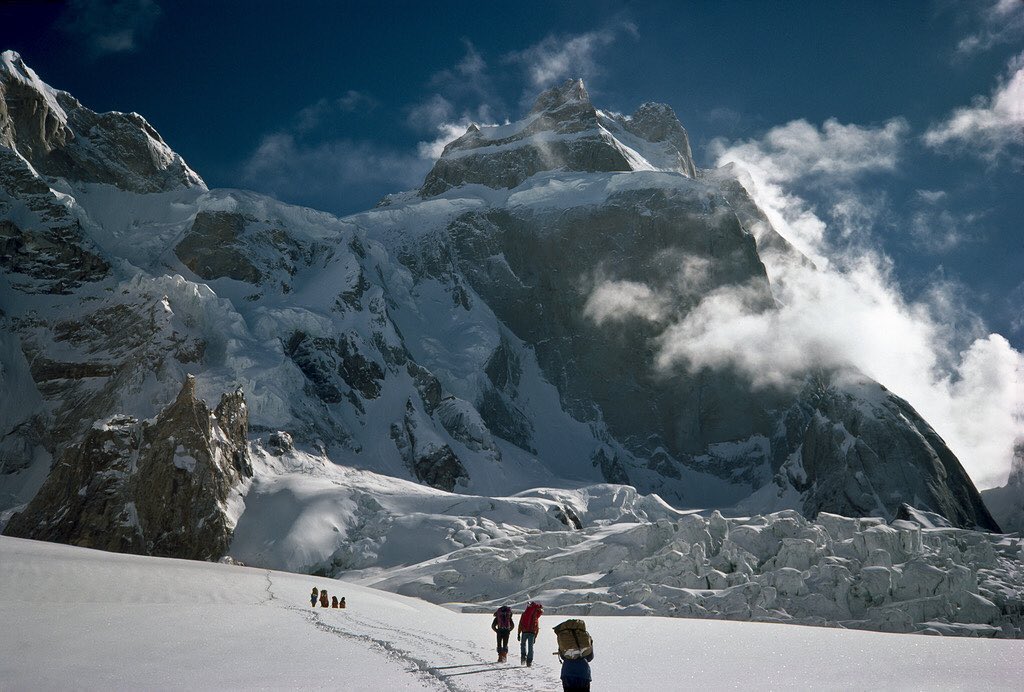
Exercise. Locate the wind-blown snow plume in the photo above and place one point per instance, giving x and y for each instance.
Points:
(557, 57)
(933, 352)
(848, 311)
(832, 155)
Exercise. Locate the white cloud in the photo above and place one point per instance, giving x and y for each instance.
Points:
(466, 86)
(799, 150)
(292, 169)
(556, 58)
(324, 110)
(940, 230)
(931, 196)
(109, 26)
(620, 300)
(989, 126)
(856, 317)
(464, 95)
(1001, 21)
(848, 311)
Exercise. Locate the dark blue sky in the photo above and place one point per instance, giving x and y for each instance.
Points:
(333, 104)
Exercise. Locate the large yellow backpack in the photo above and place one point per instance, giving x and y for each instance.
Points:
(573, 639)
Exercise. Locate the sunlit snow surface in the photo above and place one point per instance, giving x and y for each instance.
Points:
(76, 618)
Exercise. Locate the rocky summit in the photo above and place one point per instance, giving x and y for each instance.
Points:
(454, 336)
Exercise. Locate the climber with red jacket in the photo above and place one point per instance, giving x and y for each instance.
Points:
(529, 626)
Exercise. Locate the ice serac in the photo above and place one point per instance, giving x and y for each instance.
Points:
(166, 487)
(63, 139)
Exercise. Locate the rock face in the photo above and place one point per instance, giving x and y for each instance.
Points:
(430, 460)
(1007, 503)
(166, 487)
(45, 251)
(844, 446)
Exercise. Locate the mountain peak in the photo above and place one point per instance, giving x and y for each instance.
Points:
(61, 138)
(564, 131)
(569, 91)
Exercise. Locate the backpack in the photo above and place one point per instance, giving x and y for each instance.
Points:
(503, 615)
(573, 640)
(528, 620)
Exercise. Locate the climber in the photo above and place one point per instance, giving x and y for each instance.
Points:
(324, 603)
(575, 651)
(576, 673)
(502, 626)
(313, 596)
(341, 603)
(334, 601)
(529, 626)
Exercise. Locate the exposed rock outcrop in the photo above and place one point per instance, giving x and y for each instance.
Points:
(167, 487)
(427, 457)
(1007, 502)
(858, 450)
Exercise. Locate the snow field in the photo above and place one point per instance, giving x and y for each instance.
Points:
(85, 619)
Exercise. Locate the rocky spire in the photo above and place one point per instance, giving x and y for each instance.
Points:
(157, 487)
(1017, 465)
(571, 91)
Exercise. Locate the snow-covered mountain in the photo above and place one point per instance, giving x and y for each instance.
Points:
(460, 336)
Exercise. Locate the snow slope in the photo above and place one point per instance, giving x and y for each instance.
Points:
(94, 620)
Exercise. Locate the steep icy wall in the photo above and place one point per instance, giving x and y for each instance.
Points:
(569, 256)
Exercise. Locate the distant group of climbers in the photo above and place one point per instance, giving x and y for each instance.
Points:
(324, 603)
(575, 645)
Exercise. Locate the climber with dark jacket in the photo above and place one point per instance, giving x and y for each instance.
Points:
(502, 626)
(576, 673)
(313, 596)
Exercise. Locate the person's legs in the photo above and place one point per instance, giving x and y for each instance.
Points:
(522, 646)
(529, 637)
(574, 685)
(503, 641)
